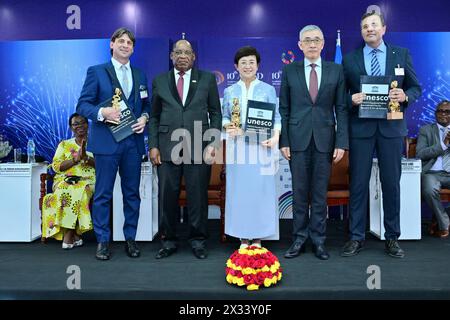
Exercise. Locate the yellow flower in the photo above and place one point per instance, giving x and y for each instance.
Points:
(229, 278)
(230, 264)
(279, 276)
(248, 271)
(252, 287)
(267, 282)
(273, 268)
(265, 269)
(240, 281)
(243, 251)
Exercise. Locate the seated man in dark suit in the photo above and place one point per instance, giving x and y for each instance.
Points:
(433, 149)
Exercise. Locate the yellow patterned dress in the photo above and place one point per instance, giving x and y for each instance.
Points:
(68, 205)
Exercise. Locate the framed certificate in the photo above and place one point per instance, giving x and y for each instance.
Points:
(375, 104)
(260, 116)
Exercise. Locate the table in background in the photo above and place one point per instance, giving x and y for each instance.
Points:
(20, 217)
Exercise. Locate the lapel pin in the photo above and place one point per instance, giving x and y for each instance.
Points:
(194, 81)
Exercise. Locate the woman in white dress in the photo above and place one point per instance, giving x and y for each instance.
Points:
(251, 208)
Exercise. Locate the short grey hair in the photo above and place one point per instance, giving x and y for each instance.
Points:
(309, 27)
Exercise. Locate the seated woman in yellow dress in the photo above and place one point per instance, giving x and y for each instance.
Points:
(65, 212)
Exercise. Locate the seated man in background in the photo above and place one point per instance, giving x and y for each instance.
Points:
(433, 149)
(65, 212)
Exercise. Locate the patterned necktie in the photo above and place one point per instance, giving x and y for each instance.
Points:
(313, 83)
(180, 85)
(446, 155)
(125, 85)
(375, 64)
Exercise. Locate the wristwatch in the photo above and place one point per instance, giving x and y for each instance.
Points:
(145, 114)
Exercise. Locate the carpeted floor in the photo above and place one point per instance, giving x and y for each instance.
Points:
(39, 271)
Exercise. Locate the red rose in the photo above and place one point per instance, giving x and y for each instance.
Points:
(248, 279)
(260, 278)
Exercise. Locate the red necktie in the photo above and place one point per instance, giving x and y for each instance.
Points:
(313, 83)
(180, 85)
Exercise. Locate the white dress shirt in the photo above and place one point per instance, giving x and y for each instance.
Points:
(187, 81)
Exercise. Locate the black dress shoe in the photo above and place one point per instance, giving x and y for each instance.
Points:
(200, 252)
(103, 251)
(132, 249)
(393, 249)
(165, 252)
(320, 252)
(351, 248)
(295, 250)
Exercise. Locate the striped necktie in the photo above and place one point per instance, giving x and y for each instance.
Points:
(375, 64)
(446, 155)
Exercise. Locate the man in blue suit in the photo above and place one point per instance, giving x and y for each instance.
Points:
(386, 137)
(111, 156)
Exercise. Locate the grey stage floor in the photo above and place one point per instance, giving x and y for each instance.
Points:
(39, 271)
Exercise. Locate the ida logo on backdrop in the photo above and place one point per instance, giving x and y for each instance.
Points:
(288, 57)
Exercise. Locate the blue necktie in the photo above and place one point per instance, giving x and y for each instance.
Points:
(374, 64)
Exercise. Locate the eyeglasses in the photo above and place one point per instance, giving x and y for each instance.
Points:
(180, 52)
(309, 41)
(78, 124)
(443, 112)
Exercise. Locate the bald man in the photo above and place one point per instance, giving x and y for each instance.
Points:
(185, 104)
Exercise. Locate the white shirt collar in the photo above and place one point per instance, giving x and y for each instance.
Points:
(117, 64)
(318, 62)
(188, 72)
(253, 83)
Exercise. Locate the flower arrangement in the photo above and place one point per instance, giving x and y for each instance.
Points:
(253, 267)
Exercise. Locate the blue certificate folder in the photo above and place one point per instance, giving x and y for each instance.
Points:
(375, 105)
(260, 117)
(127, 119)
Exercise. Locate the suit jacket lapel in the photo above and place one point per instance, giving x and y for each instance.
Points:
(173, 87)
(135, 86)
(192, 86)
(112, 74)
(324, 79)
(390, 60)
(302, 79)
(360, 61)
(435, 133)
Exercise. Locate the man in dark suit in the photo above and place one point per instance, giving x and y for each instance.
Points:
(312, 92)
(376, 58)
(111, 156)
(433, 149)
(185, 104)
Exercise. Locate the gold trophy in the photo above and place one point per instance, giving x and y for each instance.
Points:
(394, 107)
(115, 103)
(236, 113)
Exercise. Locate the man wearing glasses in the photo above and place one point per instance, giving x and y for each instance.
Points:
(433, 149)
(386, 137)
(185, 104)
(312, 102)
